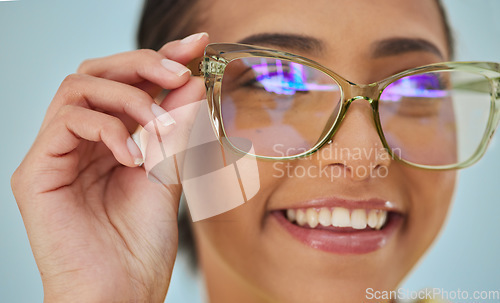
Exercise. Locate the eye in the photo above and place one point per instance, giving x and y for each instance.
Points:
(429, 85)
(417, 95)
(284, 78)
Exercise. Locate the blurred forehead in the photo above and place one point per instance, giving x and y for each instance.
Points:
(339, 23)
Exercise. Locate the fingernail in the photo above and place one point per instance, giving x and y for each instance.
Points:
(194, 37)
(162, 115)
(134, 151)
(175, 67)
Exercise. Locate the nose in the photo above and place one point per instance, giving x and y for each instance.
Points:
(356, 148)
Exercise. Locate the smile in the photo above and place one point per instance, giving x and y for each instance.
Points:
(338, 217)
(341, 229)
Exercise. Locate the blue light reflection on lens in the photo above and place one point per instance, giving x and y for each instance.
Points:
(420, 86)
(275, 79)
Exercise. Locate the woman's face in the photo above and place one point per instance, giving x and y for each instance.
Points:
(253, 251)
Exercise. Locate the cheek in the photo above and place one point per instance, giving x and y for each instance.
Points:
(233, 235)
(430, 195)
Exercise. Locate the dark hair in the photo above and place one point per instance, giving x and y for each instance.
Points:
(166, 20)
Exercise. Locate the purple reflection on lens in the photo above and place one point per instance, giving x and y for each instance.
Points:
(420, 86)
(289, 81)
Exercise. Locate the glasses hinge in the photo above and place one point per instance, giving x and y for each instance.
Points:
(212, 67)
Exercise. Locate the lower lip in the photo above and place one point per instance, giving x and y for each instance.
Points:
(342, 242)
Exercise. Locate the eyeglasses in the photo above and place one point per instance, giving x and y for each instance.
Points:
(439, 116)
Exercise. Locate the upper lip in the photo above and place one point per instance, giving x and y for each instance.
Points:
(370, 203)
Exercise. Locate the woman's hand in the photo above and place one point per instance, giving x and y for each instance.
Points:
(100, 231)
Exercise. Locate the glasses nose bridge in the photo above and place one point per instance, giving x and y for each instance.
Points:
(351, 93)
(355, 92)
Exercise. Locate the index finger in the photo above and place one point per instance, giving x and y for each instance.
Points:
(187, 49)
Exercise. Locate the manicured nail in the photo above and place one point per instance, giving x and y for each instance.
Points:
(134, 151)
(193, 38)
(162, 115)
(175, 67)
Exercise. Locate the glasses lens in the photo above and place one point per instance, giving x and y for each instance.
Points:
(284, 108)
(436, 118)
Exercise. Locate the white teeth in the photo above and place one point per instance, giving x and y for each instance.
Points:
(291, 215)
(341, 217)
(325, 217)
(372, 218)
(312, 217)
(338, 217)
(301, 217)
(358, 219)
(382, 217)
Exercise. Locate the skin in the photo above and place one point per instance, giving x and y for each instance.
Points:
(245, 255)
(101, 232)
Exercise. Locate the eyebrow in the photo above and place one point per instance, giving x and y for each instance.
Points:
(295, 42)
(398, 46)
(309, 44)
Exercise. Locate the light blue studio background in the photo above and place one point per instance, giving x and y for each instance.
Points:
(43, 41)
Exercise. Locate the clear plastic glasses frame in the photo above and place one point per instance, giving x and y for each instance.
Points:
(218, 55)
